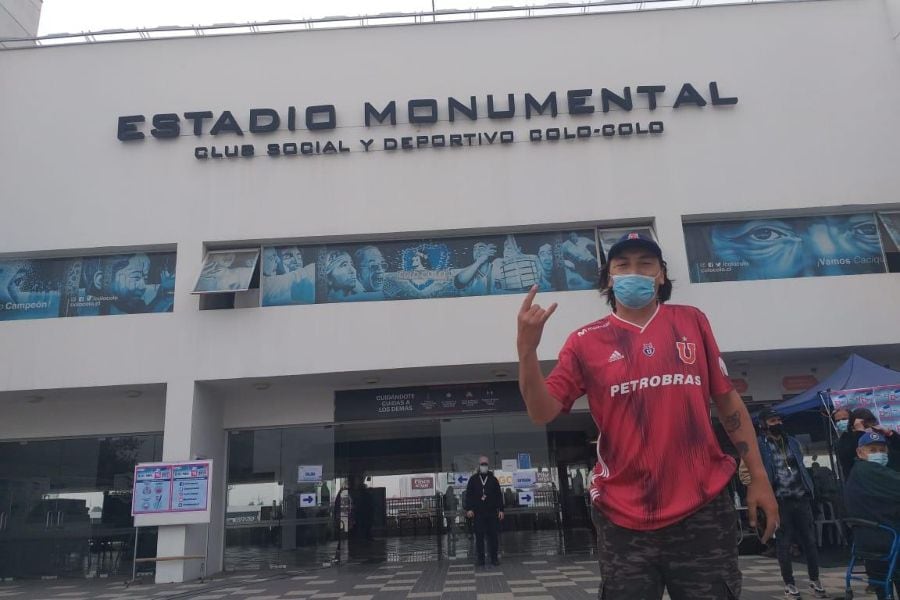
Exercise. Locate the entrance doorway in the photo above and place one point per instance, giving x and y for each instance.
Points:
(573, 445)
(393, 490)
(393, 509)
(65, 506)
(280, 498)
(406, 482)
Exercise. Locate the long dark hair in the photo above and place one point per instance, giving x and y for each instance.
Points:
(662, 294)
(860, 414)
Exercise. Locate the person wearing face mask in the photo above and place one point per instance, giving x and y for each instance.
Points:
(484, 505)
(660, 486)
(841, 417)
(783, 460)
(873, 493)
(859, 422)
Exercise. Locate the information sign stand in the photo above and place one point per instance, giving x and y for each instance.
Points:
(171, 493)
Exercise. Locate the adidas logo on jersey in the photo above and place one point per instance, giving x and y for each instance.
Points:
(616, 356)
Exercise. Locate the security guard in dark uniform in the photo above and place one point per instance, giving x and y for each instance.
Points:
(484, 504)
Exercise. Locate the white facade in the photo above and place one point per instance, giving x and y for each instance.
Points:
(19, 19)
(814, 130)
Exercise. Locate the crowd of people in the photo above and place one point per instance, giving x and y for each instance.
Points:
(804, 493)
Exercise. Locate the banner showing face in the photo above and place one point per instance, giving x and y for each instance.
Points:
(418, 269)
(288, 275)
(86, 286)
(778, 248)
(227, 270)
(883, 401)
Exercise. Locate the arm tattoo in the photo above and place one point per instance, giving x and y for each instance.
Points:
(743, 448)
(732, 422)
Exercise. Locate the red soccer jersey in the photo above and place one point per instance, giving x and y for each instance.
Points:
(649, 390)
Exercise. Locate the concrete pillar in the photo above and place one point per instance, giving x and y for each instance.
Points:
(193, 429)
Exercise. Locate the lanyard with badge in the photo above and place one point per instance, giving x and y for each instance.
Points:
(484, 481)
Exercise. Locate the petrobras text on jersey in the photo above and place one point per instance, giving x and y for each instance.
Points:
(626, 387)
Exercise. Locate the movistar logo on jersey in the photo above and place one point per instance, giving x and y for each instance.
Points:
(626, 387)
(600, 325)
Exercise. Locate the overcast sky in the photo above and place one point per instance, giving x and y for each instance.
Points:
(74, 16)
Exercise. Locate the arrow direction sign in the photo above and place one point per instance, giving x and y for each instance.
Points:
(458, 480)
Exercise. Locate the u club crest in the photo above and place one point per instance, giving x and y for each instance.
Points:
(687, 352)
(649, 350)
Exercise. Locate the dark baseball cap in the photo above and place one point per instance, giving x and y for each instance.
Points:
(634, 239)
(768, 413)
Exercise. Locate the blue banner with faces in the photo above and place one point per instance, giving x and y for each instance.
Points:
(778, 248)
(86, 286)
(437, 268)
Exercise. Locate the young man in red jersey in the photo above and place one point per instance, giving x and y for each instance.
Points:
(649, 370)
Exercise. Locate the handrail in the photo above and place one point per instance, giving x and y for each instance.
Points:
(361, 21)
(170, 558)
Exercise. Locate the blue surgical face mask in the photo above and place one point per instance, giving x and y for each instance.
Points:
(841, 425)
(879, 458)
(634, 291)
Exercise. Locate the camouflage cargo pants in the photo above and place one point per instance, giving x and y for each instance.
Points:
(695, 559)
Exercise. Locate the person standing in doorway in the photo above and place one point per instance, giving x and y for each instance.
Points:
(783, 460)
(484, 505)
(661, 480)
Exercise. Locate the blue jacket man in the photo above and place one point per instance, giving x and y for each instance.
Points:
(783, 460)
(795, 453)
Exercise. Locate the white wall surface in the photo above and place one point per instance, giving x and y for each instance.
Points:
(74, 413)
(816, 126)
(893, 11)
(19, 18)
(298, 405)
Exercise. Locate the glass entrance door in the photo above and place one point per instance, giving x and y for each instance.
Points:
(31, 518)
(65, 505)
(573, 439)
(393, 490)
(389, 473)
(281, 499)
(512, 444)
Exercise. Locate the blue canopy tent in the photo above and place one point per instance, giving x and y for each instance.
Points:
(857, 372)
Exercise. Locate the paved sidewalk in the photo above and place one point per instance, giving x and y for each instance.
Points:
(540, 578)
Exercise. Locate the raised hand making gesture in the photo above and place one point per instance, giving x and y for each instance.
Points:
(542, 407)
(531, 323)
